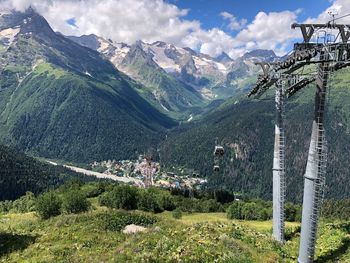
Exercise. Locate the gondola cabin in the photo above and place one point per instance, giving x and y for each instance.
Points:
(219, 150)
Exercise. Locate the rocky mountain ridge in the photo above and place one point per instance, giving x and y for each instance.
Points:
(208, 75)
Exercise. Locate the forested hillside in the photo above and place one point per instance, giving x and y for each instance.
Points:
(20, 173)
(246, 129)
(61, 100)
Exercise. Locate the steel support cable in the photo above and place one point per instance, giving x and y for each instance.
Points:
(338, 18)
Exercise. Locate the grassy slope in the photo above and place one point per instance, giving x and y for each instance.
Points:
(194, 238)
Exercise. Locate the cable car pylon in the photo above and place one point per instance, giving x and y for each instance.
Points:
(278, 170)
(330, 54)
(265, 81)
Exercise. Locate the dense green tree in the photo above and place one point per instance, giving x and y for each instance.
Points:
(246, 128)
(224, 196)
(21, 173)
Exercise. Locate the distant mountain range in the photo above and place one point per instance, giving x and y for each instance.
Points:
(213, 78)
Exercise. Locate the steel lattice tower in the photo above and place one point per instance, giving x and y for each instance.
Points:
(279, 166)
(314, 178)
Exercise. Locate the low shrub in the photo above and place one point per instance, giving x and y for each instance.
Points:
(149, 202)
(290, 232)
(121, 197)
(194, 205)
(211, 206)
(336, 209)
(234, 211)
(249, 211)
(166, 201)
(5, 206)
(116, 221)
(75, 202)
(293, 212)
(257, 209)
(24, 204)
(177, 214)
(73, 184)
(94, 189)
(48, 205)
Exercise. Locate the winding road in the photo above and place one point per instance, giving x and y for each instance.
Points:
(99, 175)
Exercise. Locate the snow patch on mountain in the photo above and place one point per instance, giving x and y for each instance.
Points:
(212, 77)
(159, 56)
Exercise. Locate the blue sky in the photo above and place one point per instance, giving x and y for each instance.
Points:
(208, 11)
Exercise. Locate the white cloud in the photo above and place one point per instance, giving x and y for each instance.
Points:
(120, 20)
(269, 31)
(340, 7)
(212, 42)
(152, 20)
(128, 21)
(234, 23)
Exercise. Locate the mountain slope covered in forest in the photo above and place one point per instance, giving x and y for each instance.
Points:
(21, 173)
(62, 100)
(246, 129)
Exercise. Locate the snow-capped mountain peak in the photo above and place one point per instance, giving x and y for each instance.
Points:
(200, 71)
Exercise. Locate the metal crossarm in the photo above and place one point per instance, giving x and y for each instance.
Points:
(298, 86)
(308, 30)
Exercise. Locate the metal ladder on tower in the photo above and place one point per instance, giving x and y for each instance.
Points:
(282, 180)
(282, 143)
(321, 148)
(321, 161)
